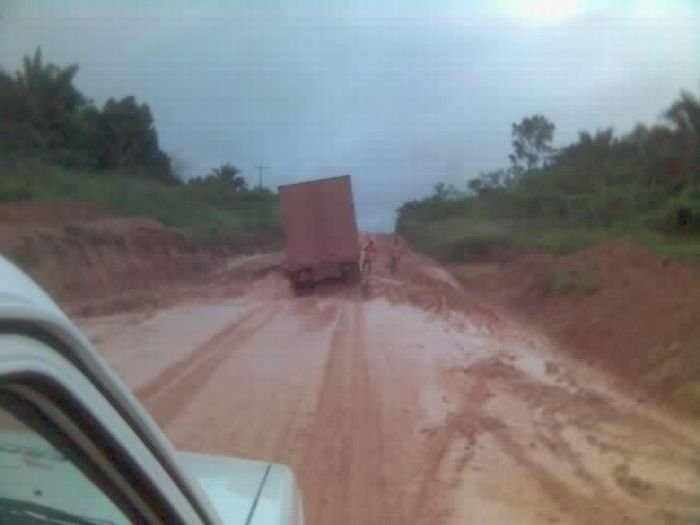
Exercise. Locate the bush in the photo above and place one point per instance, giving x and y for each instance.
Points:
(15, 190)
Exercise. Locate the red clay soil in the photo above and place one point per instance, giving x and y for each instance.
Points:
(393, 406)
(640, 318)
(90, 259)
(51, 213)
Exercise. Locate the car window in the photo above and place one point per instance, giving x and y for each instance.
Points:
(39, 484)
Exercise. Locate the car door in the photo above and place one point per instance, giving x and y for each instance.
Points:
(66, 451)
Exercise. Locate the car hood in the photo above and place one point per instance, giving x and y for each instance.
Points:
(239, 490)
(246, 491)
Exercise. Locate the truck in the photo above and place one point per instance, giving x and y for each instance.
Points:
(321, 237)
(77, 447)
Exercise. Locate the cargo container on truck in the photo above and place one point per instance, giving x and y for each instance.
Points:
(318, 218)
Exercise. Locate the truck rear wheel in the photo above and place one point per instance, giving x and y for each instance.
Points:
(302, 289)
(350, 273)
(302, 282)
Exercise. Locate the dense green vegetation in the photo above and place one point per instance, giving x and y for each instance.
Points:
(210, 210)
(43, 115)
(56, 144)
(643, 186)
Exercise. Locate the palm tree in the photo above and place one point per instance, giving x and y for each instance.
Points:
(47, 96)
(684, 114)
(230, 174)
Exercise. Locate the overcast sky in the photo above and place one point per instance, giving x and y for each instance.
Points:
(400, 94)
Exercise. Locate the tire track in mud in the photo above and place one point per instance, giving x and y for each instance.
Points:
(342, 473)
(450, 449)
(289, 443)
(575, 488)
(166, 395)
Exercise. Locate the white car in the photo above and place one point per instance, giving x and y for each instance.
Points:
(77, 447)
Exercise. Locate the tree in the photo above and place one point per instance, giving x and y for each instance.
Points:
(47, 98)
(445, 192)
(229, 174)
(658, 153)
(128, 139)
(43, 114)
(476, 185)
(490, 180)
(128, 134)
(38, 106)
(532, 139)
(684, 114)
(9, 125)
(8, 92)
(226, 175)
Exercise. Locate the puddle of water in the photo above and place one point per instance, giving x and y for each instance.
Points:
(534, 366)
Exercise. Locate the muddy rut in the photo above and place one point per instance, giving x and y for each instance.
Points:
(404, 401)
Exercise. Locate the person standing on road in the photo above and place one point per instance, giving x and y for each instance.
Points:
(395, 253)
(369, 254)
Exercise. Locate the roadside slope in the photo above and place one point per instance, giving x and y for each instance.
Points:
(92, 259)
(615, 305)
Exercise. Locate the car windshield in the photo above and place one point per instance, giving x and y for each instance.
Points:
(39, 484)
(439, 257)
(26, 513)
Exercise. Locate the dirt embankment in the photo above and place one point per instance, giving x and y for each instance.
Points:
(90, 259)
(615, 305)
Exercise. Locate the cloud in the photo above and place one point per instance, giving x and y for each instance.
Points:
(399, 94)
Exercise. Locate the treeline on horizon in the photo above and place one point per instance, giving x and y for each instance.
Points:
(643, 185)
(55, 142)
(43, 115)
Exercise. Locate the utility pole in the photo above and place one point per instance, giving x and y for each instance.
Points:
(260, 176)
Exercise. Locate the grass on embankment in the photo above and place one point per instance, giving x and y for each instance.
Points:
(465, 239)
(199, 212)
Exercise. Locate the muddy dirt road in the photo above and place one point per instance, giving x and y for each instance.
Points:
(404, 402)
